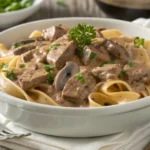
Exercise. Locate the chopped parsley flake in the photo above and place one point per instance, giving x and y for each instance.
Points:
(80, 78)
(92, 55)
(49, 68)
(138, 42)
(103, 63)
(50, 78)
(3, 65)
(79, 52)
(53, 47)
(16, 45)
(122, 73)
(10, 74)
(22, 65)
(130, 63)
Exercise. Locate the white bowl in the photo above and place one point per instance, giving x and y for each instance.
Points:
(74, 122)
(8, 19)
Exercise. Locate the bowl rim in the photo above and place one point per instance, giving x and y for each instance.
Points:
(75, 111)
(39, 2)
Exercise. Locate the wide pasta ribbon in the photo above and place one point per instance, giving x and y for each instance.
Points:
(112, 92)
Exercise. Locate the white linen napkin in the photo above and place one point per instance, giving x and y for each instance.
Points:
(129, 140)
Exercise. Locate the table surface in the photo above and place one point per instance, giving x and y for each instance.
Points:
(74, 8)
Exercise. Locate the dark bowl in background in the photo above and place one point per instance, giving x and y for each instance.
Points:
(125, 9)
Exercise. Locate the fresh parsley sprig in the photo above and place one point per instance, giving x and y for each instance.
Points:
(138, 42)
(82, 34)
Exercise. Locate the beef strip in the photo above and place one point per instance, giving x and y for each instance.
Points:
(27, 47)
(41, 54)
(62, 53)
(77, 92)
(54, 32)
(116, 51)
(28, 55)
(24, 48)
(137, 77)
(28, 41)
(101, 55)
(125, 42)
(32, 76)
(109, 71)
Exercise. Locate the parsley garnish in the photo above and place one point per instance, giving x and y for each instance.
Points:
(122, 73)
(48, 68)
(50, 78)
(61, 3)
(79, 52)
(138, 41)
(92, 55)
(130, 63)
(22, 65)
(3, 65)
(10, 74)
(80, 78)
(103, 63)
(82, 34)
(16, 45)
(53, 47)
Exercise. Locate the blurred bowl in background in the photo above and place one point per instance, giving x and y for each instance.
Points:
(125, 9)
(8, 19)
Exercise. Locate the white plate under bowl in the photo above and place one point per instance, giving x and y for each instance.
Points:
(74, 122)
(8, 19)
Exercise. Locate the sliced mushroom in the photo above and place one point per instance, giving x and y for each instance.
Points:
(65, 74)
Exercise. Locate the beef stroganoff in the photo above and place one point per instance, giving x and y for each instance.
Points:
(81, 66)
